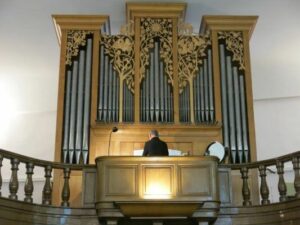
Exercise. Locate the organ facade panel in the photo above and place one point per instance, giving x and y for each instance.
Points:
(195, 88)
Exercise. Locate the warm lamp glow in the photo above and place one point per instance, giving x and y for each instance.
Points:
(157, 190)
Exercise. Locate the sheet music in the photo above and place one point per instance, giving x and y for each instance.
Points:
(172, 152)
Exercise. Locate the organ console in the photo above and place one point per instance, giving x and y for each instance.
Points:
(195, 88)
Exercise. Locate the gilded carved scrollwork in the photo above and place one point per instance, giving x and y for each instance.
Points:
(75, 39)
(234, 43)
(191, 50)
(120, 48)
(161, 29)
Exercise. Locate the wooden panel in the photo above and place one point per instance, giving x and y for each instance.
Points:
(126, 148)
(101, 148)
(158, 180)
(138, 145)
(225, 186)
(89, 187)
(194, 180)
(121, 180)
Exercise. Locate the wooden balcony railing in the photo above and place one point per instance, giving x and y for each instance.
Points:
(262, 167)
(31, 164)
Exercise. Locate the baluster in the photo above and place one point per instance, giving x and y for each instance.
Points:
(245, 189)
(14, 183)
(28, 188)
(296, 165)
(264, 190)
(47, 191)
(1, 158)
(281, 182)
(65, 195)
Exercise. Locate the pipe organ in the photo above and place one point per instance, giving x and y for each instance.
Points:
(156, 74)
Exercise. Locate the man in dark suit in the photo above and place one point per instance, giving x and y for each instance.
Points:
(155, 146)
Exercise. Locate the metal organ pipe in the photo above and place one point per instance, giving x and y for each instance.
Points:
(105, 84)
(210, 87)
(101, 83)
(124, 101)
(117, 97)
(143, 101)
(156, 80)
(205, 87)
(87, 93)
(147, 99)
(201, 82)
(152, 90)
(244, 118)
(235, 127)
(67, 116)
(110, 93)
(161, 84)
(130, 105)
(77, 107)
(185, 103)
(231, 111)
(238, 128)
(169, 103)
(156, 96)
(108, 104)
(114, 102)
(79, 113)
(73, 111)
(224, 98)
(197, 98)
(165, 84)
(188, 114)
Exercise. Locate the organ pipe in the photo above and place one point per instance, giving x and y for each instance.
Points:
(115, 99)
(67, 116)
(73, 111)
(87, 94)
(101, 83)
(244, 119)
(77, 107)
(210, 87)
(234, 114)
(79, 113)
(155, 90)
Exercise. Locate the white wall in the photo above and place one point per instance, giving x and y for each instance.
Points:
(29, 61)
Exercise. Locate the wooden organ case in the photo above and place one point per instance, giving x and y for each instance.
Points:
(156, 74)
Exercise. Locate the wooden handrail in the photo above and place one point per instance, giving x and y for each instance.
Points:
(48, 166)
(268, 162)
(42, 163)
